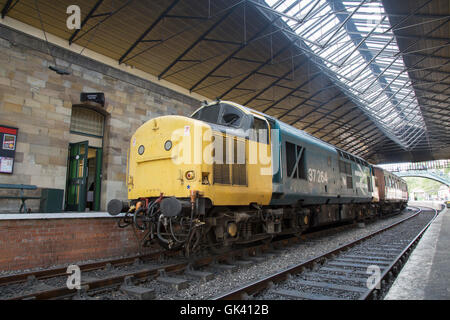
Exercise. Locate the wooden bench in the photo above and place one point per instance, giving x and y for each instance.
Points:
(22, 197)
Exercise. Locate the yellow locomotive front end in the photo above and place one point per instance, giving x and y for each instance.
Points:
(175, 155)
(164, 158)
(198, 180)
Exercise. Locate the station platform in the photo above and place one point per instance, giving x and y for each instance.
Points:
(57, 215)
(426, 274)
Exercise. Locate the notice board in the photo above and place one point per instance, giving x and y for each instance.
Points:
(8, 140)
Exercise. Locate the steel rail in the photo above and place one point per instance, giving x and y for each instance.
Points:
(102, 284)
(56, 272)
(257, 286)
(370, 294)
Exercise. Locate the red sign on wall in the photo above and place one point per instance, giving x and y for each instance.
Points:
(8, 140)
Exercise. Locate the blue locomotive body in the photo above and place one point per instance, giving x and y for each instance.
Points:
(313, 172)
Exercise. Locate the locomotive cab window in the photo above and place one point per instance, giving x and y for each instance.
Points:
(223, 114)
(208, 114)
(231, 116)
(261, 130)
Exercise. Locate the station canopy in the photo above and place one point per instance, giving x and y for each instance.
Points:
(371, 77)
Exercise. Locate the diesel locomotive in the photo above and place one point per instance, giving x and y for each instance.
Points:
(230, 175)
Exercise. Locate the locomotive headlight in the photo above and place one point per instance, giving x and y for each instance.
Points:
(141, 150)
(190, 175)
(168, 145)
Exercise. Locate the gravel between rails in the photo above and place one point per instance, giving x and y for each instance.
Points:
(305, 250)
(398, 237)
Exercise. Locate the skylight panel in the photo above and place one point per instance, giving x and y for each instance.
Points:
(354, 42)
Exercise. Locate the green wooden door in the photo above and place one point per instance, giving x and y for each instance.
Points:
(77, 177)
(98, 179)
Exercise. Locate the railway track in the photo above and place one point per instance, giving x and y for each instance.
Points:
(361, 269)
(130, 273)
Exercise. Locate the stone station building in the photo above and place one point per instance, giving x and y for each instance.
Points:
(46, 109)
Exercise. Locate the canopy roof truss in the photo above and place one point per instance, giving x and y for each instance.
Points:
(371, 77)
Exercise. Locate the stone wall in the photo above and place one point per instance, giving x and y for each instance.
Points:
(39, 102)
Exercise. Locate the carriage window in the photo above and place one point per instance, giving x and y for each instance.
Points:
(345, 167)
(295, 161)
(290, 158)
(231, 116)
(369, 184)
(342, 166)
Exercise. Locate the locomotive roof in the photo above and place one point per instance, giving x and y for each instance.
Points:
(285, 126)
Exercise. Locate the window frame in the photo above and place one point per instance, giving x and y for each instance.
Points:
(267, 126)
(222, 112)
(301, 163)
(80, 106)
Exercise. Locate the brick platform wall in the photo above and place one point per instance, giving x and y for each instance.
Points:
(27, 244)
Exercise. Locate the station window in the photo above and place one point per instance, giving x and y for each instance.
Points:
(86, 121)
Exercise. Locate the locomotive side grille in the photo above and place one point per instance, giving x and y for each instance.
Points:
(239, 174)
(221, 169)
(236, 172)
(221, 173)
(349, 182)
(239, 166)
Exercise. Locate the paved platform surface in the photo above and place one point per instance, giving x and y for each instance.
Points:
(426, 274)
(61, 215)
